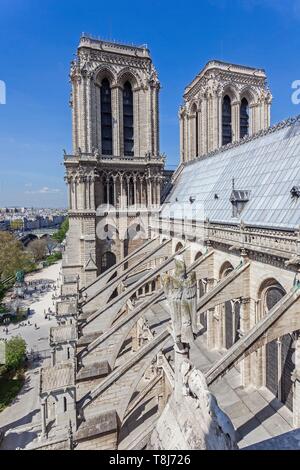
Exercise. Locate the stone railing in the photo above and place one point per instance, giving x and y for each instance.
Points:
(283, 243)
(160, 159)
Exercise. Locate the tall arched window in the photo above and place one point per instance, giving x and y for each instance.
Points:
(197, 133)
(106, 118)
(244, 118)
(128, 120)
(108, 259)
(226, 121)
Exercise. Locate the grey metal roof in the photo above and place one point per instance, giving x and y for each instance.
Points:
(266, 165)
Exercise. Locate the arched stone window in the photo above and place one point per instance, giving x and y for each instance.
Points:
(106, 118)
(128, 120)
(197, 133)
(226, 121)
(108, 259)
(178, 247)
(108, 191)
(244, 118)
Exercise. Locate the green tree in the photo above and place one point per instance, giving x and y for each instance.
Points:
(60, 235)
(15, 353)
(13, 256)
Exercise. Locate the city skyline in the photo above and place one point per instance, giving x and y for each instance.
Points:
(35, 122)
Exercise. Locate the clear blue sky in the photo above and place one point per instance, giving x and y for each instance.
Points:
(39, 38)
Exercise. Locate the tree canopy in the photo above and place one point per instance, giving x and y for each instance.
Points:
(15, 353)
(61, 233)
(13, 256)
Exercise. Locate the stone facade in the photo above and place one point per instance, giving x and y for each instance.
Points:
(116, 160)
(240, 273)
(201, 116)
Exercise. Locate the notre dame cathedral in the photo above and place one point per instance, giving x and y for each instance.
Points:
(226, 222)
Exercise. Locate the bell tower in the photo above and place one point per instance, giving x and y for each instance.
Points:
(223, 104)
(114, 174)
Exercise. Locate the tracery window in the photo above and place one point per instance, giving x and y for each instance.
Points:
(106, 118)
(226, 121)
(244, 118)
(128, 120)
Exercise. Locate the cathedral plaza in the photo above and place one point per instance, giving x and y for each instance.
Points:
(176, 320)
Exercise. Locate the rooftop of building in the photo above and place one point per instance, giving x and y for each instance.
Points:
(228, 67)
(63, 334)
(265, 165)
(57, 377)
(66, 307)
(112, 46)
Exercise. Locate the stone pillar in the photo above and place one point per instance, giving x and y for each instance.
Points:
(53, 357)
(44, 417)
(107, 190)
(134, 190)
(115, 190)
(116, 119)
(296, 383)
(210, 319)
(204, 125)
(181, 134)
(244, 327)
(215, 119)
(75, 113)
(88, 115)
(235, 120)
(186, 139)
(121, 192)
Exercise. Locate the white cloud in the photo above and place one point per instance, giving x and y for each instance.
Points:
(44, 190)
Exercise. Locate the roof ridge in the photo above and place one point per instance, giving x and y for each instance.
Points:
(248, 138)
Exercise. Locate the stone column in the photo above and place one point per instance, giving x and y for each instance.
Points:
(88, 115)
(252, 108)
(186, 139)
(134, 190)
(107, 190)
(199, 143)
(121, 192)
(116, 118)
(296, 383)
(210, 319)
(181, 134)
(74, 104)
(115, 190)
(53, 357)
(244, 327)
(215, 127)
(235, 120)
(43, 416)
(204, 125)
(76, 182)
(159, 190)
(69, 183)
(149, 192)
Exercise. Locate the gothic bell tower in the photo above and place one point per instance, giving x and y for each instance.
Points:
(114, 174)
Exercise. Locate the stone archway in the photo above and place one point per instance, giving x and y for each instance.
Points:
(178, 247)
(229, 312)
(277, 357)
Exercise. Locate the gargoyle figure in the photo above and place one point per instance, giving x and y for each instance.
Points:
(181, 292)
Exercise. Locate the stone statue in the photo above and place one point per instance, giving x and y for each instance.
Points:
(181, 292)
(20, 275)
(221, 433)
(194, 421)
